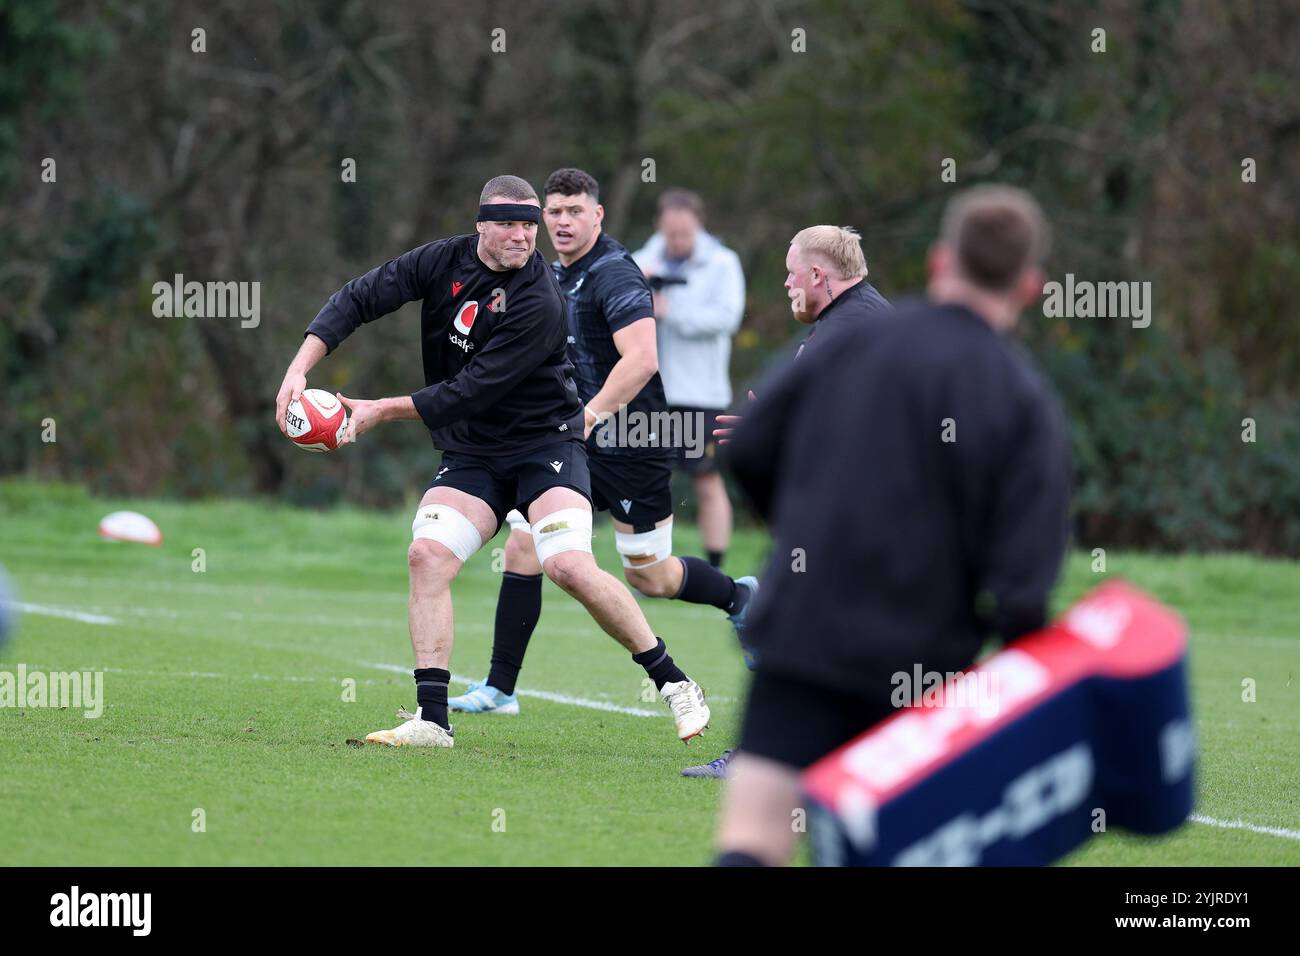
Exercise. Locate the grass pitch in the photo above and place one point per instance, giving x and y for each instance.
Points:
(227, 702)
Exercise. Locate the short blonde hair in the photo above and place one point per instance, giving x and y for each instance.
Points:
(839, 247)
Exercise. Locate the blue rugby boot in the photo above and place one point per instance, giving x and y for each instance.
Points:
(738, 619)
(715, 769)
(482, 698)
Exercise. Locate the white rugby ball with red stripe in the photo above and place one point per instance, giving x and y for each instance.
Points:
(316, 420)
(130, 526)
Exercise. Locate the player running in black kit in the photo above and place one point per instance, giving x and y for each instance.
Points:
(500, 403)
(612, 345)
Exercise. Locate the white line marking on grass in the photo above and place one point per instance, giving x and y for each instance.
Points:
(590, 704)
(1243, 825)
(586, 702)
(64, 612)
(539, 694)
(190, 675)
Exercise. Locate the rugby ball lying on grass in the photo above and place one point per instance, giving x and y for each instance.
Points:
(129, 526)
(316, 420)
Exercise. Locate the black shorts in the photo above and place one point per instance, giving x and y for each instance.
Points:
(514, 481)
(634, 490)
(696, 448)
(796, 723)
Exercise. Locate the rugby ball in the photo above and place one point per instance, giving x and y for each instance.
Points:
(315, 420)
(130, 526)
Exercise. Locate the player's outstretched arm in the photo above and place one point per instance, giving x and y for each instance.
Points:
(365, 414)
(379, 292)
(312, 350)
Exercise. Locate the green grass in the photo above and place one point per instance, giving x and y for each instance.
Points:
(224, 691)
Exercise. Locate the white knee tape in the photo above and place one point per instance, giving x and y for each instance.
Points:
(518, 522)
(448, 527)
(568, 529)
(658, 543)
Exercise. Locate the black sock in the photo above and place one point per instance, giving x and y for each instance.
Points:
(659, 665)
(704, 584)
(715, 558)
(431, 694)
(519, 606)
(737, 858)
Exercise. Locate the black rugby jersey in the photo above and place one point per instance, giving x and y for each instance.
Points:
(497, 374)
(606, 291)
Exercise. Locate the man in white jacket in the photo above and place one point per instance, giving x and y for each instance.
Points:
(699, 298)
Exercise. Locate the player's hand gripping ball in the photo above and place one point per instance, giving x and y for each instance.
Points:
(315, 420)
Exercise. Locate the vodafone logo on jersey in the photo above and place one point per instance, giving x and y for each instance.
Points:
(464, 320)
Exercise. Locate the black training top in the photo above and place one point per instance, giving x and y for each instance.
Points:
(858, 300)
(497, 375)
(606, 291)
(916, 479)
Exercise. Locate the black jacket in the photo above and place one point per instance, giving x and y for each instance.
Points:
(497, 376)
(893, 546)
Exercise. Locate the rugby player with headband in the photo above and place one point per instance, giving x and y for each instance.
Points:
(500, 403)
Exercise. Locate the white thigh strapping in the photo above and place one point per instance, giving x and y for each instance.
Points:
(568, 529)
(447, 526)
(658, 542)
(517, 521)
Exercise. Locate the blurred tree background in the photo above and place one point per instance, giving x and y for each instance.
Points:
(226, 165)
